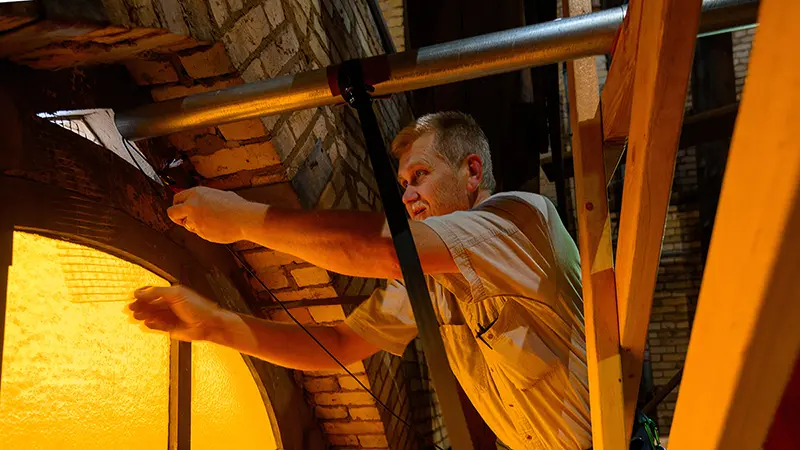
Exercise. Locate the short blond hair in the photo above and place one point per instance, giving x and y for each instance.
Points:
(456, 136)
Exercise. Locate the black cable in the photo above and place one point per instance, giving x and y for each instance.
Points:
(294, 319)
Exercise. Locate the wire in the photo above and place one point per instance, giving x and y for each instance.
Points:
(294, 319)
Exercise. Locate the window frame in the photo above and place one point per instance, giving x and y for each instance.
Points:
(78, 219)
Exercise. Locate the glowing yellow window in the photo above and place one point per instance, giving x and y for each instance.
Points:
(227, 407)
(76, 373)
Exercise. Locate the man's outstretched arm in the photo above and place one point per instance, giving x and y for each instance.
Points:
(347, 242)
(188, 316)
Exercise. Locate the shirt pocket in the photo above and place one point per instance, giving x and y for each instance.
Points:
(516, 346)
(466, 360)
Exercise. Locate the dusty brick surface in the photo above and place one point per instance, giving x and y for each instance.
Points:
(348, 383)
(146, 72)
(328, 384)
(242, 130)
(162, 93)
(246, 35)
(344, 398)
(355, 427)
(327, 313)
(230, 160)
(365, 413)
(330, 412)
(373, 441)
(306, 293)
(208, 63)
(309, 276)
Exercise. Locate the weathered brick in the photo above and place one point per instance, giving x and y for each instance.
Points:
(219, 9)
(365, 413)
(341, 439)
(300, 120)
(254, 72)
(161, 93)
(273, 277)
(330, 412)
(242, 130)
(328, 196)
(357, 368)
(309, 276)
(343, 398)
(321, 384)
(352, 427)
(151, 72)
(373, 441)
(246, 157)
(306, 293)
(274, 11)
(208, 144)
(280, 51)
(284, 141)
(208, 63)
(235, 4)
(270, 258)
(246, 35)
(327, 313)
(186, 140)
(319, 52)
(347, 382)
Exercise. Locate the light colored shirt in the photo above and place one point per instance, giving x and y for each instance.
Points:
(519, 282)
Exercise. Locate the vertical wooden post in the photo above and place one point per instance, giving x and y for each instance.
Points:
(745, 337)
(663, 61)
(594, 240)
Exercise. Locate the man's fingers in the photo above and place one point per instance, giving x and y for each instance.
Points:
(178, 213)
(150, 294)
(156, 324)
(182, 196)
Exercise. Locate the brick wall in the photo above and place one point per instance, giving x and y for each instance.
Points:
(393, 13)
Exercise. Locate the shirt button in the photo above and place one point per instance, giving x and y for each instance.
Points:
(510, 406)
(529, 437)
(490, 336)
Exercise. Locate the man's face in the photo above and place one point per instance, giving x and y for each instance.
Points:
(432, 186)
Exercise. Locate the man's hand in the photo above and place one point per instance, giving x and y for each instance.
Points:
(214, 215)
(178, 310)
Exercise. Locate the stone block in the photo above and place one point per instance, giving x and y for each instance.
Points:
(354, 427)
(274, 11)
(227, 161)
(328, 197)
(208, 144)
(300, 121)
(211, 62)
(357, 368)
(235, 5)
(309, 276)
(306, 293)
(331, 412)
(373, 441)
(365, 413)
(146, 72)
(278, 53)
(321, 385)
(242, 130)
(348, 383)
(327, 313)
(246, 35)
(187, 140)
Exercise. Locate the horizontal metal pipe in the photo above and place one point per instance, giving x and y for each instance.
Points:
(463, 59)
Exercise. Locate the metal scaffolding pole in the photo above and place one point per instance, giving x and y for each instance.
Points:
(463, 59)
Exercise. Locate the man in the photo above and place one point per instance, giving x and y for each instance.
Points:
(503, 273)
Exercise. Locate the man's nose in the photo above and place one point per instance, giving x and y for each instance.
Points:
(410, 195)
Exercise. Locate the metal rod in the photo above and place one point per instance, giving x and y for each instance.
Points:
(463, 59)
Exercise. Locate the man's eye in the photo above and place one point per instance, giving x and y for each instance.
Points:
(420, 173)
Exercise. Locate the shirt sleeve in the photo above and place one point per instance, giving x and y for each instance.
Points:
(385, 319)
(501, 247)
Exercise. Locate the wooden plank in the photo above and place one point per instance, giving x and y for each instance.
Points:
(617, 98)
(745, 337)
(594, 241)
(663, 64)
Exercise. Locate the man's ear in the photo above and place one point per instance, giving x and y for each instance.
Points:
(474, 167)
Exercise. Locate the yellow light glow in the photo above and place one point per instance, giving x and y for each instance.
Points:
(227, 409)
(79, 375)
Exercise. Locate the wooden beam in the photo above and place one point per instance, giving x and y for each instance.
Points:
(594, 233)
(663, 63)
(617, 98)
(745, 337)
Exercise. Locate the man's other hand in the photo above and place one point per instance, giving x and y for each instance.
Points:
(214, 215)
(183, 313)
